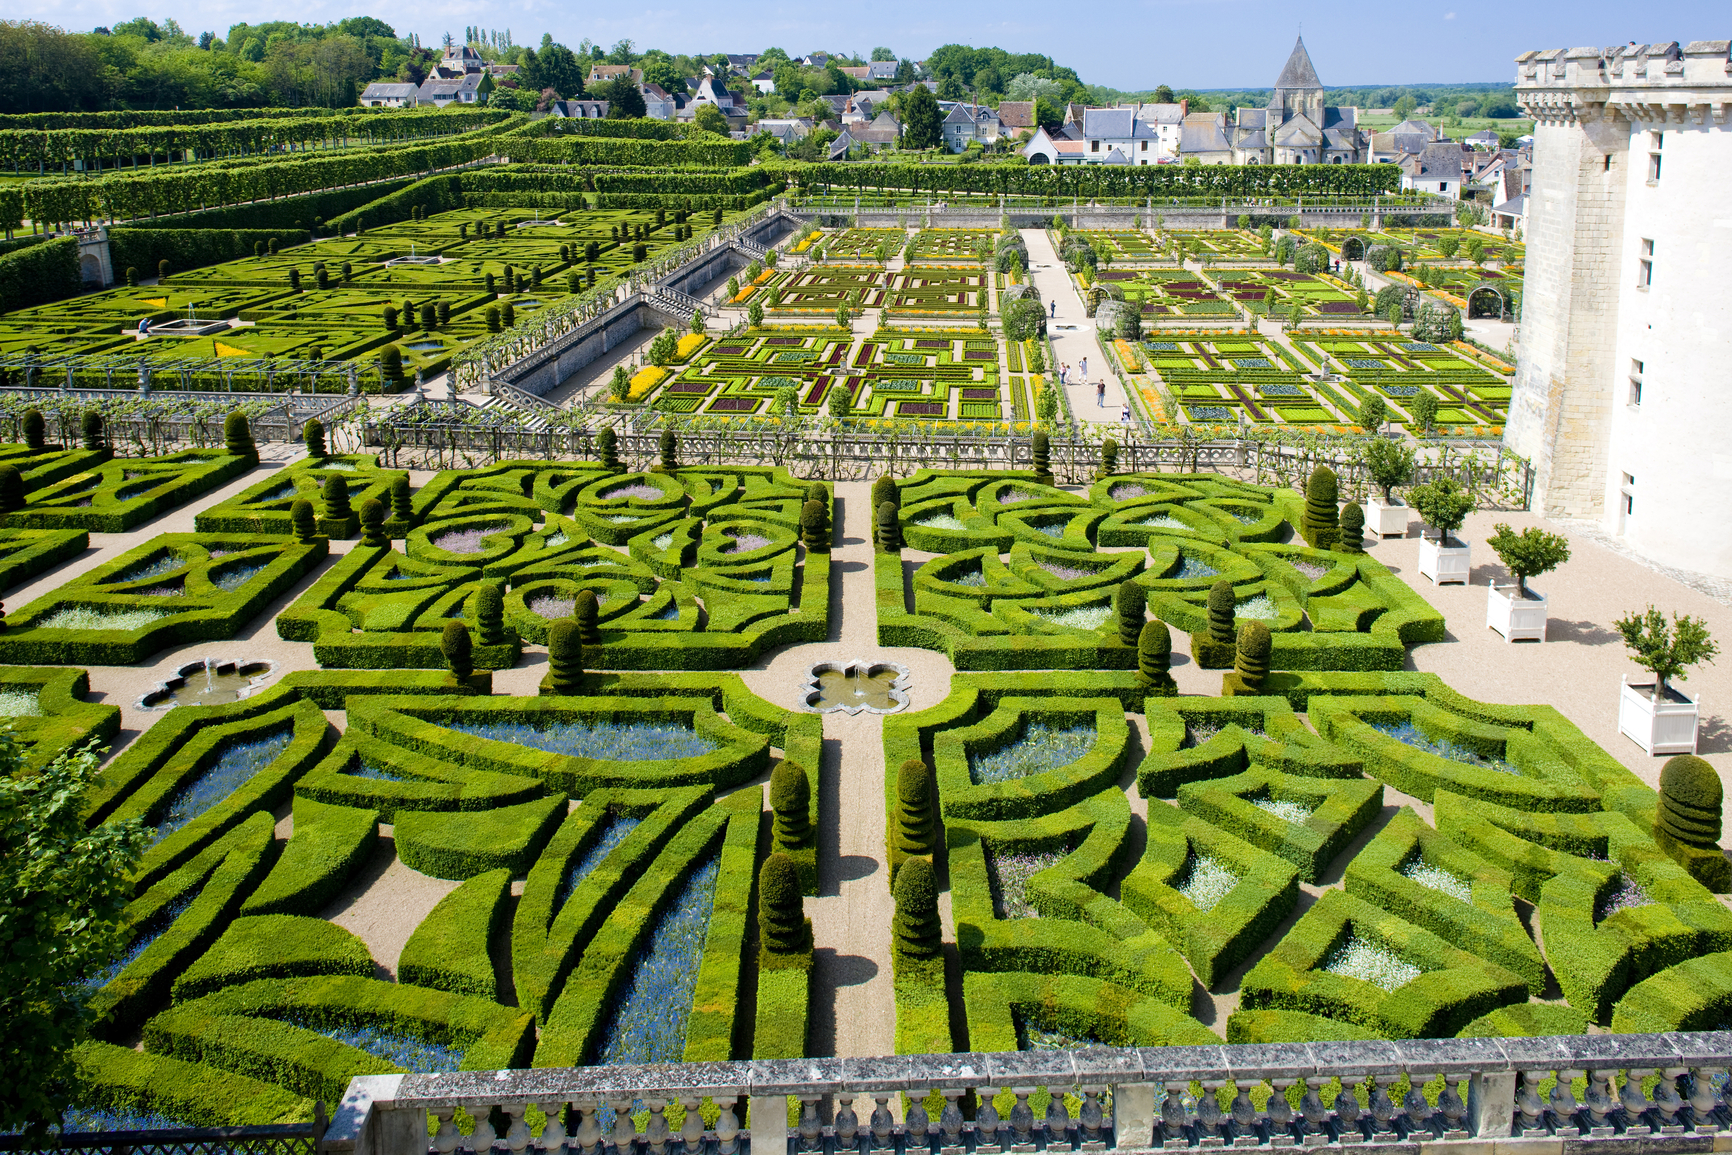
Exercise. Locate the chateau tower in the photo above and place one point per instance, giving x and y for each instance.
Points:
(1298, 92)
(1623, 395)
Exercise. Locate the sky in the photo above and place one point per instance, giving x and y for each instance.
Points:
(1127, 44)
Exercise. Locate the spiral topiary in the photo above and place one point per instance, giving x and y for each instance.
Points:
(607, 449)
(1109, 458)
(586, 612)
(791, 800)
(884, 489)
(335, 497)
(564, 657)
(372, 522)
(1042, 457)
(301, 517)
(1320, 524)
(1691, 800)
(313, 433)
(815, 527)
(92, 430)
(489, 611)
(1251, 659)
(670, 451)
(1222, 605)
(781, 918)
(459, 650)
(401, 510)
(916, 827)
(35, 430)
(1352, 528)
(1129, 602)
(1155, 658)
(889, 526)
(238, 438)
(916, 932)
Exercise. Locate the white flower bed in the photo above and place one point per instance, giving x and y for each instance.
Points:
(1206, 882)
(941, 521)
(1438, 879)
(1081, 618)
(101, 618)
(1294, 812)
(20, 704)
(1260, 608)
(1367, 962)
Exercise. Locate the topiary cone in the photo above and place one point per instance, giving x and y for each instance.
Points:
(586, 611)
(35, 430)
(607, 448)
(92, 430)
(336, 498)
(1042, 457)
(916, 827)
(489, 612)
(791, 801)
(1321, 527)
(1352, 528)
(564, 657)
(301, 518)
(916, 932)
(1691, 801)
(238, 438)
(313, 433)
(815, 527)
(459, 650)
(11, 489)
(401, 510)
(670, 450)
(1129, 603)
(889, 528)
(373, 522)
(1222, 605)
(781, 919)
(1154, 656)
(1251, 658)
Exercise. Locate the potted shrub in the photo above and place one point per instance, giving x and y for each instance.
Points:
(1660, 718)
(1444, 504)
(1516, 612)
(1389, 463)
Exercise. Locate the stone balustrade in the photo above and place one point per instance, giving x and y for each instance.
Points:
(1641, 1093)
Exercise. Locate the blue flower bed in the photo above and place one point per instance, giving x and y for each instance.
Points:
(375, 773)
(417, 1056)
(1033, 1035)
(1280, 390)
(1364, 363)
(150, 568)
(1419, 347)
(614, 833)
(150, 933)
(1210, 412)
(1190, 567)
(649, 1025)
(1402, 390)
(239, 576)
(607, 741)
(1411, 735)
(238, 761)
(1039, 749)
(1253, 363)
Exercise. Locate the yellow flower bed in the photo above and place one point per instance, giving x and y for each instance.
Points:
(1152, 398)
(159, 302)
(223, 350)
(1482, 357)
(646, 379)
(689, 344)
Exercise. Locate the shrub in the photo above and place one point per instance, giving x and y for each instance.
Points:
(301, 517)
(884, 489)
(586, 612)
(916, 823)
(781, 919)
(402, 511)
(92, 430)
(1691, 800)
(1443, 503)
(669, 445)
(564, 656)
(1155, 658)
(889, 528)
(815, 527)
(1352, 528)
(1252, 656)
(1423, 408)
(791, 801)
(1222, 605)
(1042, 457)
(1320, 525)
(459, 650)
(1664, 650)
(490, 614)
(1530, 553)
(449, 950)
(238, 438)
(917, 932)
(313, 433)
(35, 430)
(1373, 412)
(373, 523)
(607, 448)
(1130, 603)
(11, 489)
(1109, 458)
(335, 497)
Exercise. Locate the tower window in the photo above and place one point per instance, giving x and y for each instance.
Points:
(1645, 268)
(1653, 168)
(1627, 492)
(1635, 383)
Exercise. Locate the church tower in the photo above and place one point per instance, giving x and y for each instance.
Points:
(1298, 91)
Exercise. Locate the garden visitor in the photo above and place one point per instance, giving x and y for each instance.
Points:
(143, 328)
(1084, 365)
(1125, 412)
(1054, 313)
(1064, 374)
(1100, 394)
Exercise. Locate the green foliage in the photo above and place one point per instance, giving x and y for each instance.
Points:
(782, 925)
(1423, 409)
(11, 489)
(884, 489)
(586, 612)
(274, 946)
(1321, 527)
(916, 831)
(1530, 553)
(889, 528)
(1666, 650)
(38, 274)
(335, 498)
(565, 656)
(1352, 528)
(372, 517)
(1129, 608)
(1443, 503)
(1155, 658)
(62, 889)
(490, 614)
(916, 932)
(301, 517)
(1222, 605)
(449, 950)
(815, 526)
(1390, 463)
(1252, 655)
(459, 650)
(1691, 801)
(1373, 412)
(238, 438)
(607, 448)
(313, 433)
(791, 800)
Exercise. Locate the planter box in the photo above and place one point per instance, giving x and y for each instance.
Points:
(1445, 563)
(1518, 619)
(1386, 520)
(1664, 727)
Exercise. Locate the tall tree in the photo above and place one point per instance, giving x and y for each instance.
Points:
(880, 55)
(624, 101)
(920, 113)
(557, 68)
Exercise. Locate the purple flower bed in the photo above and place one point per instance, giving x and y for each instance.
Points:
(465, 540)
(639, 491)
(734, 405)
(919, 409)
(979, 355)
(1628, 895)
(1126, 492)
(784, 340)
(551, 606)
(932, 344)
(746, 542)
(1066, 572)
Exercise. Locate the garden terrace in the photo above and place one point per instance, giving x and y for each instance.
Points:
(853, 244)
(1221, 246)
(1276, 291)
(951, 244)
(1226, 378)
(1420, 244)
(1160, 293)
(930, 291)
(1123, 244)
(1399, 369)
(825, 288)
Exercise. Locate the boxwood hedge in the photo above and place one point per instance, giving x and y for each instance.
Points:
(274, 946)
(449, 951)
(124, 494)
(65, 720)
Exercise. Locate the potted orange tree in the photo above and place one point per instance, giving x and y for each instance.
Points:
(1658, 717)
(1517, 612)
(1444, 504)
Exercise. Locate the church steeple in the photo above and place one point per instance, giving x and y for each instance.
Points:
(1298, 91)
(1298, 73)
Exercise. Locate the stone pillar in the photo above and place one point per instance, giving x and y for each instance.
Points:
(1134, 1116)
(1491, 1104)
(769, 1118)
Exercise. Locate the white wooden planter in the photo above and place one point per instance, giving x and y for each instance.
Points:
(1665, 727)
(1444, 564)
(1517, 618)
(1387, 520)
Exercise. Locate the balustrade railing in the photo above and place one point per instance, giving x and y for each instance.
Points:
(1637, 1093)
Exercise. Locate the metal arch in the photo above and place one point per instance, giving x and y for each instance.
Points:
(1502, 291)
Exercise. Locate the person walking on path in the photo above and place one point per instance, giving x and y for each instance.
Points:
(1064, 374)
(1101, 394)
(1054, 313)
(1084, 363)
(1125, 413)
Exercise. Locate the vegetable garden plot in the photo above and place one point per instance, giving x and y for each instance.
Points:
(1123, 244)
(1221, 244)
(827, 287)
(1278, 290)
(938, 292)
(1426, 244)
(1399, 369)
(951, 244)
(852, 244)
(1233, 378)
(1163, 293)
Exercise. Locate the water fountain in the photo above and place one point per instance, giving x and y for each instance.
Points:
(411, 259)
(208, 682)
(875, 687)
(188, 326)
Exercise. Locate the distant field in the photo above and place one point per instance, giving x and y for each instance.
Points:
(1465, 128)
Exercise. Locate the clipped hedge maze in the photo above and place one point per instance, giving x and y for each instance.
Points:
(1022, 575)
(125, 493)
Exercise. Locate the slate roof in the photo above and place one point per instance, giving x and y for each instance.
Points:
(1016, 114)
(1438, 162)
(882, 69)
(1159, 113)
(885, 129)
(580, 109)
(958, 115)
(385, 90)
(840, 146)
(1110, 122)
(1299, 73)
(1204, 132)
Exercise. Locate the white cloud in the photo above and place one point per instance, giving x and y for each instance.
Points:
(1449, 16)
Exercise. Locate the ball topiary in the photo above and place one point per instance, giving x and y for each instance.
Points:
(336, 498)
(1155, 658)
(489, 610)
(884, 489)
(1320, 525)
(372, 522)
(401, 510)
(791, 800)
(889, 528)
(1251, 660)
(916, 826)
(11, 489)
(35, 430)
(916, 932)
(564, 657)
(781, 917)
(1222, 605)
(459, 650)
(1352, 528)
(607, 448)
(815, 527)
(301, 517)
(313, 433)
(820, 493)
(1691, 800)
(586, 612)
(1129, 603)
(238, 438)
